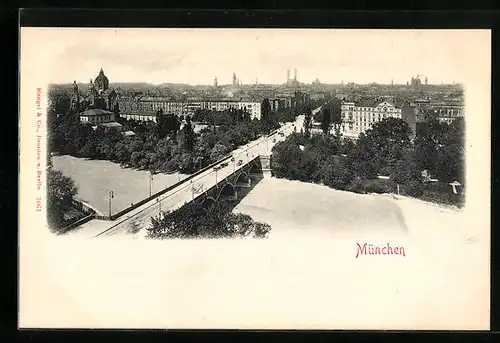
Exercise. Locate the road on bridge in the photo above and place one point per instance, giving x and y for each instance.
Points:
(136, 221)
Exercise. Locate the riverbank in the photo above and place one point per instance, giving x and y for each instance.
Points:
(96, 178)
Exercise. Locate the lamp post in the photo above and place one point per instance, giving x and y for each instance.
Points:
(158, 200)
(111, 196)
(234, 166)
(150, 184)
(215, 169)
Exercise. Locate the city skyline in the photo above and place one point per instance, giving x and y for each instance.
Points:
(197, 56)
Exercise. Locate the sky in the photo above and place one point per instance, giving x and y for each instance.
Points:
(197, 56)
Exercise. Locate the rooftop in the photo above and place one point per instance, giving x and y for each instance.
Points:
(112, 124)
(150, 114)
(95, 112)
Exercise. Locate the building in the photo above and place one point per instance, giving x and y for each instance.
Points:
(280, 103)
(145, 108)
(97, 117)
(443, 111)
(318, 96)
(410, 113)
(235, 80)
(98, 96)
(112, 126)
(99, 106)
(144, 117)
(251, 106)
(358, 117)
(292, 82)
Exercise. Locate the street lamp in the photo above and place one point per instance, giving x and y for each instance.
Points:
(234, 166)
(150, 184)
(215, 169)
(111, 196)
(158, 200)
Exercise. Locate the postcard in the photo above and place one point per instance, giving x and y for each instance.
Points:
(254, 178)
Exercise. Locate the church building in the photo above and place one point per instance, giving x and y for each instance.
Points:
(98, 96)
(99, 105)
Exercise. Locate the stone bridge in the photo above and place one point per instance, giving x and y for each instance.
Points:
(235, 186)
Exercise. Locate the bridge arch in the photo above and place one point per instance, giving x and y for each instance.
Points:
(228, 190)
(255, 169)
(208, 202)
(242, 178)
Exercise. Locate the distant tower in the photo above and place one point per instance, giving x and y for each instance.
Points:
(235, 80)
(215, 82)
(92, 89)
(295, 75)
(75, 99)
(426, 82)
(257, 81)
(392, 82)
(288, 76)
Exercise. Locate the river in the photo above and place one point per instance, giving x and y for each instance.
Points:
(96, 178)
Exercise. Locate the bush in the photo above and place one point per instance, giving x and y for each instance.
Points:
(194, 221)
(441, 193)
(356, 185)
(378, 186)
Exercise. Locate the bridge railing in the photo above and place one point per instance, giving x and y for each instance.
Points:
(169, 188)
(176, 185)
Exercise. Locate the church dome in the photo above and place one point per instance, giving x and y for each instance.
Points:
(101, 82)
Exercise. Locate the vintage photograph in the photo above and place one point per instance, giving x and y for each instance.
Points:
(287, 179)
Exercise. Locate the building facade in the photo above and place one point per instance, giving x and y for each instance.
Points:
(140, 116)
(359, 117)
(137, 107)
(97, 116)
(443, 111)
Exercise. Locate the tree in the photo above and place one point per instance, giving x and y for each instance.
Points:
(326, 120)
(386, 143)
(336, 172)
(59, 101)
(60, 192)
(430, 137)
(307, 122)
(286, 159)
(188, 135)
(336, 115)
(265, 114)
(407, 172)
(219, 151)
(194, 221)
